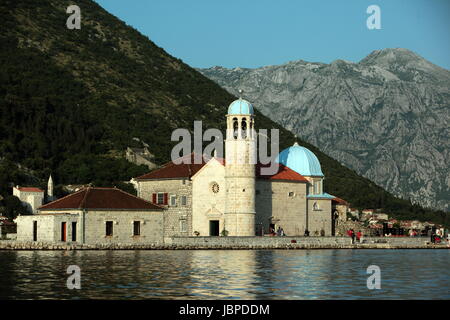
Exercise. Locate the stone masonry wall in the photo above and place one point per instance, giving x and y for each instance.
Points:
(321, 218)
(48, 227)
(282, 203)
(230, 242)
(208, 205)
(240, 187)
(151, 226)
(174, 214)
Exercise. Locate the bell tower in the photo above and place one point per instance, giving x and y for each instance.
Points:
(50, 196)
(240, 155)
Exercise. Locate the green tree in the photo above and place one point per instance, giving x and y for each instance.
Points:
(13, 207)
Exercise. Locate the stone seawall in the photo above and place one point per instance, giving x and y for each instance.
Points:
(237, 243)
(299, 242)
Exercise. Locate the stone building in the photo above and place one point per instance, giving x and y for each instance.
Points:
(233, 197)
(31, 197)
(140, 156)
(340, 208)
(94, 215)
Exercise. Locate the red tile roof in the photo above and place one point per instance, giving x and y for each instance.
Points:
(6, 223)
(283, 173)
(183, 170)
(30, 189)
(171, 170)
(101, 198)
(340, 201)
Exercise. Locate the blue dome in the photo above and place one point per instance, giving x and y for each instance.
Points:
(240, 106)
(301, 160)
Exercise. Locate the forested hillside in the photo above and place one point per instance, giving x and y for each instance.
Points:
(71, 101)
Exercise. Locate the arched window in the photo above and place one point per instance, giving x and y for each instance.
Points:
(244, 128)
(317, 189)
(235, 128)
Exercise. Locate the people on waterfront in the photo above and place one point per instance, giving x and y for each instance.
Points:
(352, 235)
(359, 236)
(271, 231)
(282, 234)
(438, 232)
(279, 231)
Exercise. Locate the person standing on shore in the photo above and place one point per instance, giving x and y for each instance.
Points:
(359, 236)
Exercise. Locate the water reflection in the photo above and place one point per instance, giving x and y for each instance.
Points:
(218, 274)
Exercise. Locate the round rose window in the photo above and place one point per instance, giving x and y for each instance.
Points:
(215, 188)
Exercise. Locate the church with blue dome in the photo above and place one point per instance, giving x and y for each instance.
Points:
(235, 196)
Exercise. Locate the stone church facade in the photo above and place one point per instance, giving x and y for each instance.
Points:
(232, 197)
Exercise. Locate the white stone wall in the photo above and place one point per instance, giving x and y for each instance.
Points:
(282, 203)
(206, 204)
(174, 214)
(240, 183)
(151, 226)
(91, 226)
(48, 227)
(321, 218)
(32, 200)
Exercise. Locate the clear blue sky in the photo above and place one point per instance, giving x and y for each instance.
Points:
(254, 33)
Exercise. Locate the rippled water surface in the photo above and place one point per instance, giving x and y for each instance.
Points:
(217, 274)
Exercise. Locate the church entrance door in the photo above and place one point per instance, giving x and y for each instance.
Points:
(214, 227)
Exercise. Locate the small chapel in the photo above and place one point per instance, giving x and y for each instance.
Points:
(231, 196)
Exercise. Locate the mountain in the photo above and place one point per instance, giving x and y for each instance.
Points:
(71, 101)
(386, 117)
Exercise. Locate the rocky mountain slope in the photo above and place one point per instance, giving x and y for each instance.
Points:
(71, 101)
(387, 117)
